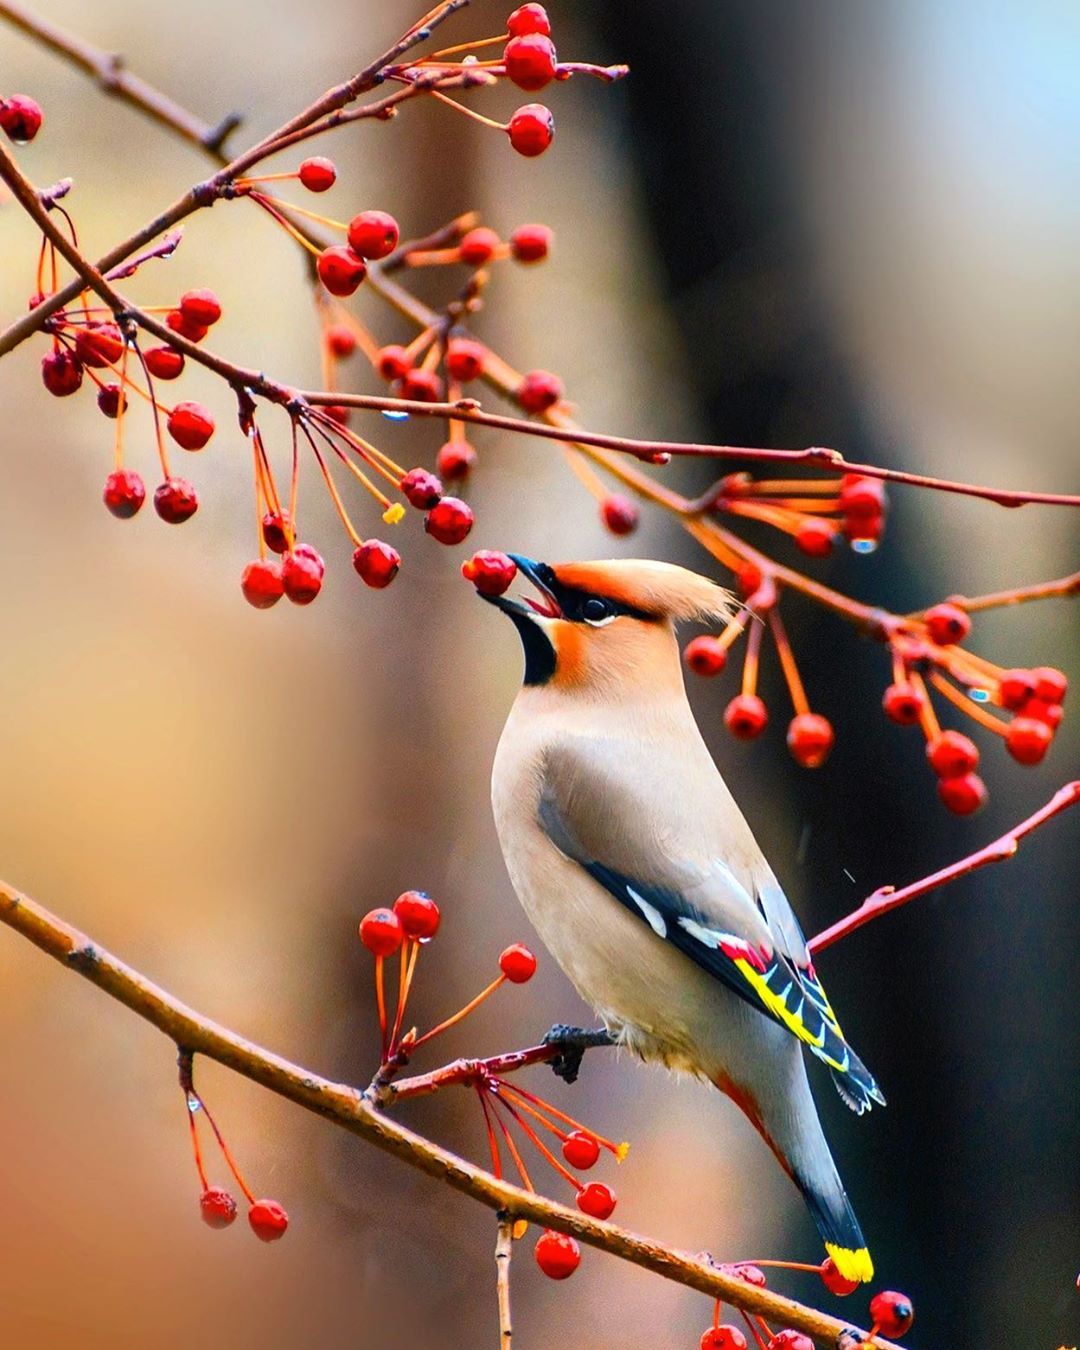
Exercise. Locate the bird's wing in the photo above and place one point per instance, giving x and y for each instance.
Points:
(610, 820)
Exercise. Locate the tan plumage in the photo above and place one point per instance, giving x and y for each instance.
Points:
(641, 875)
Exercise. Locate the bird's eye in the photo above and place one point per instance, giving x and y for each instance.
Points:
(597, 611)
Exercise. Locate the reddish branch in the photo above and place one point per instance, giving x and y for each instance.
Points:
(886, 898)
(356, 1112)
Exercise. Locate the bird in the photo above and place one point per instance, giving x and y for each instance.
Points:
(641, 875)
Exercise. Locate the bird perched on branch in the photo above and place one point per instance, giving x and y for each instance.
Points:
(641, 875)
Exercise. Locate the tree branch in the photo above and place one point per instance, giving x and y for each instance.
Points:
(356, 1112)
(886, 898)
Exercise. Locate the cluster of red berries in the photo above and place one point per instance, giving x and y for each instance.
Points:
(814, 512)
(20, 118)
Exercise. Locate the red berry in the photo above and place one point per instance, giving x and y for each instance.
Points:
(175, 501)
(1050, 685)
(21, 118)
(376, 563)
(340, 270)
(1050, 713)
(262, 583)
(724, 1337)
(217, 1207)
(454, 460)
(1028, 740)
(531, 243)
(1015, 688)
(449, 521)
(619, 514)
(518, 964)
(422, 489)
(790, 1340)
(947, 624)
(99, 344)
(952, 754)
(705, 655)
(180, 323)
(268, 1220)
(891, 1312)
(748, 579)
(834, 1282)
(903, 703)
(341, 340)
(110, 399)
(190, 425)
(810, 738)
(529, 19)
(478, 245)
(277, 531)
(530, 61)
(423, 385)
(745, 716)
(124, 493)
(596, 1200)
(557, 1254)
(302, 574)
(964, 795)
(164, 363)
(465, 359)
(815, 537)
(61, 372)
(581, 1150)
(393, 362)
(318, 174)
(862, 496)
(200, 307)
(531, 130)
(381, 932)
(373, 234)
(418, 915)
(538, 391)
(490, 572)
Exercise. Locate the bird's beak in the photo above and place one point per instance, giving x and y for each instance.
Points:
(547, 607)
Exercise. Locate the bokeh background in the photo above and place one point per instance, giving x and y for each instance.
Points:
(816, 223)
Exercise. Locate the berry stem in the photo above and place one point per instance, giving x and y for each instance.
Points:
(751, 661)
(462, 1013)
(380, 1002)
(469, 112)
(493, 1142)
(539, 1144)
(967, 706)
(787, 661)
(230, 1161)
(193, 1105)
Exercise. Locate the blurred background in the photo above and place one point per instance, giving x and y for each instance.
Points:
(816, 223)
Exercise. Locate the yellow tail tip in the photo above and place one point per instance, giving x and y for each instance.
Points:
(853, 1265)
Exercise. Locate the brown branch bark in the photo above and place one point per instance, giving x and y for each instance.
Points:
(354, 1111)
(504, 1250)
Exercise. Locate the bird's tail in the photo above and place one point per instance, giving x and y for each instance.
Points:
(836, 1222)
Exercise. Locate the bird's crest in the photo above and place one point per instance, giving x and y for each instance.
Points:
(657, 588)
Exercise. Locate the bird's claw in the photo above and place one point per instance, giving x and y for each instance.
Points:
(572, 1043)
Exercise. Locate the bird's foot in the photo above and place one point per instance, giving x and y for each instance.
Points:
(572, 1043)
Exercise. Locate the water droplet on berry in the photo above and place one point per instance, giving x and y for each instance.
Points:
(392, 415)
(979, 695)
(193, 1103)
(864, 545)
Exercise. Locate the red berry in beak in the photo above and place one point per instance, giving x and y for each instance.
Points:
(418, 915)
(318, 174)
(268, 1220)
(531, 130)
(530, 61)
(581, 1150)
(340, 270)
(619, 514)
(449, 521)
(175, 501)
(518, 964)
(948, 624)
(745, 717)
(373, 234)
(490, 572)
(376, 563)
(61, 372)
(596, 1200)
(531, 243)
(262, 583)
(557, 1254)
(217, 1207)
(810, 738)
(190, 425)
(891, 1312)
(705, 655)
(124, 493)
(381, 932)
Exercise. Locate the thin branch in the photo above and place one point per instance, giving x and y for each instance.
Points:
(1044, 590)
(504, 1250)
(887, 898)
(354, 1111)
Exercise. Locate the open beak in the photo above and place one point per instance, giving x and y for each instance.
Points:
(526, 606)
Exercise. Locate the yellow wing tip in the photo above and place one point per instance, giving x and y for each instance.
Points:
(853, 1265)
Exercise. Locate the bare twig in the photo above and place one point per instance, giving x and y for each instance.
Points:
(886, 898)
(356, 1112)
(504, 1247)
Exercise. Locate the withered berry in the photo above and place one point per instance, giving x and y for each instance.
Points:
(190, 425)
(61, 372)
(175, 501)
(110, 399)
(422, 489)
(217, 1207)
